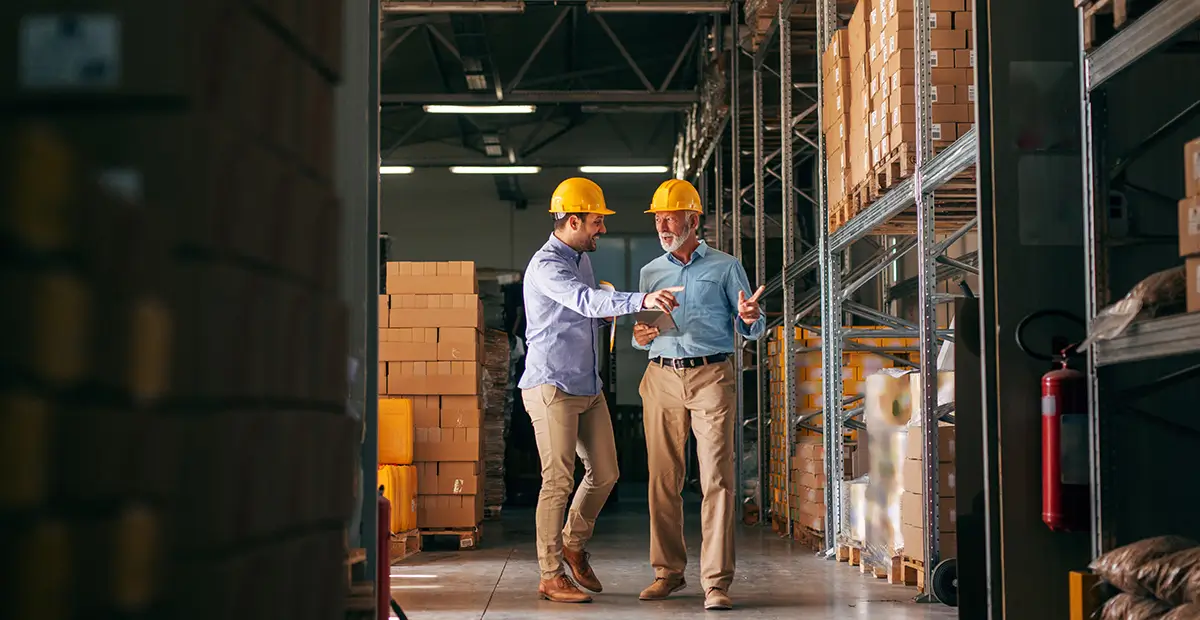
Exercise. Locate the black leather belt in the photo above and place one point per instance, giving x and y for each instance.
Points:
(689, 362)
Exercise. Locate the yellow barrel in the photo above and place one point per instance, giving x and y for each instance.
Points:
(395, 431)
(399, 484)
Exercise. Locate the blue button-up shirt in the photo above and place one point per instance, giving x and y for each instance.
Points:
(563, 311)
(707, 312)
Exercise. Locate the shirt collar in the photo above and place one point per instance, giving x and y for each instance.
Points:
(558, 247)
(700, 252)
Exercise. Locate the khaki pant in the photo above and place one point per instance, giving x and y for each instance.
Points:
(704, 400)
(565, 425)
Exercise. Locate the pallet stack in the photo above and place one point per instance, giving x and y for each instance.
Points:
(912, 501)
(1189, 223)
(174, 359)
(431, 351)
(880, 126)
(835, 64)
(807, 495)
(497, 411)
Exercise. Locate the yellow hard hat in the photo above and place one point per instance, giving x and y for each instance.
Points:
(578, 195)
(676, 195)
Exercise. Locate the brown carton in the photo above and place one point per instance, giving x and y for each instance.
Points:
(914, 476)
(914, 543)
(426, 410)
(448, 478)
(449, 511)
(434, 377)
(384, 308)
(1192, 273)
(964, 93)
(453, 310)
(895, 6)
(964, 59)
(964, 20)
(907, 132)
(408, 344)
(446, 444)
(912, 512)
(1191, 168)
(903, 20)
(1189, 226)
(938, 40)
(459, 344)
(431, 278)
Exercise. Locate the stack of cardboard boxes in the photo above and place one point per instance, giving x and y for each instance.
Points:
(1189, 223)
(879, 46)
(431, 351)
(912, 502)
(175, 347)
(808, 485)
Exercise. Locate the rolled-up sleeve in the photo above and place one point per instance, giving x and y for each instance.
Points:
(554, 279)
(738, 283)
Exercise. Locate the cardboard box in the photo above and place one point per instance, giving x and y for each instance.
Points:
(1189, 226)
(461, 412)
(907, 132)
(451, 310)
(948, 40)
(408, 344)
(895, 6)
(1192, 267)
(904, 20)
(426, 410)
(835, 167)
(964, 93)
(964, 59)
(449, 511)
(434, 377)
(384, 311)
(914, 475)
(448, 478)
(914, 543)
(964, 20)
(431, 278)
(947, 444)
(912, 512)
(1191, 168)
(446, 444)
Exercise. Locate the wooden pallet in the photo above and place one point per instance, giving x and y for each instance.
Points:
(1103, 18)
(914, 569)
(354, 556)
(468, 538)
(810, 538)
(404, 545)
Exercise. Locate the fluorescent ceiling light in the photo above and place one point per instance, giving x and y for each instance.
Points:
(658, 6)
(453, 6)
(495, 169)
(395, 170)
(480, 109)
(624, 169)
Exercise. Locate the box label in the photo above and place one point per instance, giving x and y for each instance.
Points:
(69, 51)
(1194, 218)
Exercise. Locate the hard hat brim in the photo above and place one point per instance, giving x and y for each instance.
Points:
(672, 210)
(602, 211)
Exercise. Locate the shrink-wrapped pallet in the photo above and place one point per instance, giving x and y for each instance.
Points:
(888, 408)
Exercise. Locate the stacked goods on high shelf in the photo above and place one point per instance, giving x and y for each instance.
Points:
(880, 125)
(1189, 223)
(758, 15)
(1103, 18)
(174, 361)
(431, 351)
(497, 411)
(835, 64)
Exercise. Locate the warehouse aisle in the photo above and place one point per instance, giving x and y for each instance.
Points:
(775, 579)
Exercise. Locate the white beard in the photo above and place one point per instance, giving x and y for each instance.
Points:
(676, 242)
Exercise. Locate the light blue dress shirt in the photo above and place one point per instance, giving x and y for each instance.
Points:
(563, 311)
(707, 312)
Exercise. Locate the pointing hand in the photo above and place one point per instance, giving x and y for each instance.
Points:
(748, 309)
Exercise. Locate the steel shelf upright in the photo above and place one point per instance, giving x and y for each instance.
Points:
(787, 181)
(1147, 340)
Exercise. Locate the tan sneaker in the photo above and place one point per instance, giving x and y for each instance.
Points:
(663, 587)
(561, 590)
(716, 598)
(582, 570)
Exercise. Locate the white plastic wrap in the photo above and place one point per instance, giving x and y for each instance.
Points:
(888, 409)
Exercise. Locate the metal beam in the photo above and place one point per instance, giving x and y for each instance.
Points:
(516, 81)
(396, 43)
(679, 60)
(544, 97)
(624, 52)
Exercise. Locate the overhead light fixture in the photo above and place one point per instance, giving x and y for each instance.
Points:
(395, 170)
(495, 169)
(453, 6)
(480, 109)
(624, 169)
(658, 6)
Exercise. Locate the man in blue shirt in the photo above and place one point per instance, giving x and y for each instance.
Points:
(691, 383)
(561, 384)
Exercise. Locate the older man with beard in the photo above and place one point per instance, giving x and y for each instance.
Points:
(691, 383)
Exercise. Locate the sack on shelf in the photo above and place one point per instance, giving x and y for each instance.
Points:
(1132, 607)
(1175, 578)
(1120, 567)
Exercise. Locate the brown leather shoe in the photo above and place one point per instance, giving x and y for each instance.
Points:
(716, 598)
(582, 570)
(561, 590)
(663, 587)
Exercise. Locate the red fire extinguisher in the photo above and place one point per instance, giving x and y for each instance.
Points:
(383, 563)
(1065, 464)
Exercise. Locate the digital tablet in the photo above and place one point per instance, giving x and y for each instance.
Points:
(656, 318)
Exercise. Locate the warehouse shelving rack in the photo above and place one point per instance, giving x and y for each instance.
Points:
(829, 257)
(1146, 340)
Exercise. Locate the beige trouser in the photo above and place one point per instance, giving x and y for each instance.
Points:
(703, 399)
(565, 425)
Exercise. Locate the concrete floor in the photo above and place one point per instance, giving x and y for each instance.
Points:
(775, 578)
